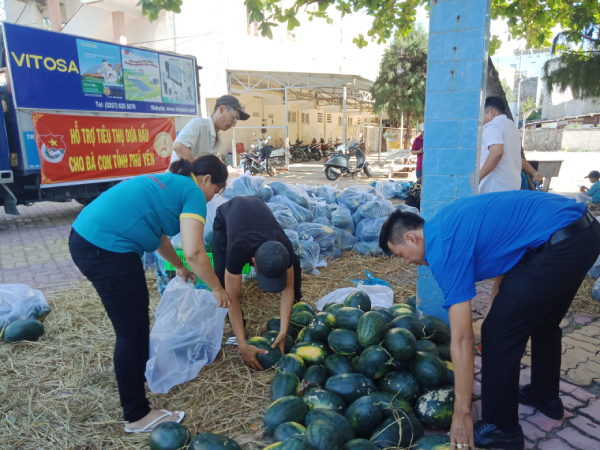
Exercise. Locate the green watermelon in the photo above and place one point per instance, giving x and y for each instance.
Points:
(399, 432)
(303, 336)
(271, 336)
(373, 362)
(387, 316)
(269, 360)
(425, 345)
(211, 441)
(295, 443)
(348, 317)
(286, 409)
(338, 364)
(371, 329)
(274, 324)
(287, 430)
(168, 436)
(316, 374)
(300, 319)
(412, 324)
(284, 384)
(398, 366)
(403, 312)
(436, 329)
(392, 404)
(276, 445)
(403, 384)
(412, 301)
(444, 352)
(435, 408)
(321, 325)
(332, 307)
(350, 386)
(450, 372)
(401, 344)
(398, 306)
(318, 398)
(302, 306)
(324, 436)
(428, 369)
(434, 442)
(337, 420)
(359, 444)
(358, 299)
(291, 363)
(344, 342)
(364, 415)
(23, 330)
(311, 352)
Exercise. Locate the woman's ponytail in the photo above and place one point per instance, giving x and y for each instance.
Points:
(181, 167)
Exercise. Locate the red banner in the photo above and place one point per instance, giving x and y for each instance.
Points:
(87, 148)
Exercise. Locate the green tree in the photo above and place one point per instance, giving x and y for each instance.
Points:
(400, 86)
(510, 96)
(526, 105)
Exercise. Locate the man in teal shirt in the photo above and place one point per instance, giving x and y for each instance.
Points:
(591, 194)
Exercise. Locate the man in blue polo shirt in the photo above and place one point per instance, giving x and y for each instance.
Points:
(539, 248)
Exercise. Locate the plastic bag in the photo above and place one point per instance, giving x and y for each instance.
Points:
(406, 208)
(284, 216)
(364, 188)
(309, 253)
(293, 236)
(19, 301)
(300, 214)
(595, 270)
(368, 230)
(341, 217)
(294, 193)
(211, 212)
(368, 249)
(208, 240)
(402, 189)
(376, 209)
(387, 189)
(352, 198)
(176, 242)
(186, 336)
(244, 185)
(265, 193)
(344, 241)
(321, 234)
(320, 209)
(328, 193)
(370, 280)
(382, 296)
(310, 190)
(596, 290)
(148, 260)
(323, 221)
(162, 277)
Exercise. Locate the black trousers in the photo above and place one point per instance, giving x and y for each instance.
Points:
(534, 297)
(120, 282)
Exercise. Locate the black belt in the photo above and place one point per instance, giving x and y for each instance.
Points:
(571, 230)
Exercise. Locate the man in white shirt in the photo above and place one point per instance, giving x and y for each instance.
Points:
(201, 136)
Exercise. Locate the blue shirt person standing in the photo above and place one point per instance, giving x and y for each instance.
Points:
(539, 247)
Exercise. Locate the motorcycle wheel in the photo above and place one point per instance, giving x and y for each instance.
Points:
(297, 156)
(271, 171)
(367, 171)
(331, 173)
(306, 156)
(247, 167)
(316, 156)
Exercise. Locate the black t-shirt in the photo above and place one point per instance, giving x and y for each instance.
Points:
(249, 224)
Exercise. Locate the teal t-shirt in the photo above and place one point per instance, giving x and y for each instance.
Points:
(133, 215)
(595, 192)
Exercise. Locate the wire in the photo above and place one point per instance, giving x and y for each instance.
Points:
(26, 5)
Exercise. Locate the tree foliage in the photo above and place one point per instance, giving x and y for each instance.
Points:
(510, 96)
(152, 8)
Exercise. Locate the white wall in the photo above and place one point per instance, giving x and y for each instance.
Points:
(564, 105)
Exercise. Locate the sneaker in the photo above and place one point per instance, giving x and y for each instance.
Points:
(488, 435)
(552, 408)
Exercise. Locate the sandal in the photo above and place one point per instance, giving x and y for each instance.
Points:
(148, 428)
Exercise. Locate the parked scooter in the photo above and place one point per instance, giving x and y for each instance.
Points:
(315, 150)
(277, 157)
(328, 148)
(259, 163)
(300, 152)
(338, 163)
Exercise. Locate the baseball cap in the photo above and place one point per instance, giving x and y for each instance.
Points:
(230, 100)
(422, 127)
(593, 174)
(272, 260)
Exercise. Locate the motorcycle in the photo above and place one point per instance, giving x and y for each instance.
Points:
(259, 163)
(277, 157)
(300, 152)
(338, 163)
(328, 148)
(315, 150)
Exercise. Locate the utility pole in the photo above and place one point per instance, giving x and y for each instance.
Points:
(519, 90)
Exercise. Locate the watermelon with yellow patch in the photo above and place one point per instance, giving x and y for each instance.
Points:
(434, 442)
(318, 398)
(311, 352)
(435, 408)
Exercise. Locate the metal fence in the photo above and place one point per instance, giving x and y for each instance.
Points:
(245, 137)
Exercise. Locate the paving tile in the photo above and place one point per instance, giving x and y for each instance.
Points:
(573, 357)
(567, 387)
(590, 330)
(578, 344)
(578, 440)
(529, 445)
(593, 410)
(565, 323)
(545, 423)
(582, 320)
(582, 337)
(570, 403)
(532, 432)
(476, 387)
(587, 426)
(525, 377)
(581, 376)
(525, 410)
(554, 444)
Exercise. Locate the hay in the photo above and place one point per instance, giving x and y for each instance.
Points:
(60, 392)
(583, 302)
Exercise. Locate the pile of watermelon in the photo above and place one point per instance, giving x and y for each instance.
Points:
(359, 378)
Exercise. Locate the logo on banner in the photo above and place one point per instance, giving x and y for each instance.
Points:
(163, 144)
(53, 147)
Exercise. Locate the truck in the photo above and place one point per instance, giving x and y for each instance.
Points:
(80, 115)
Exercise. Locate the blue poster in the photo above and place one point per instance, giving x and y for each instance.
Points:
(57, 71)
(33, 157)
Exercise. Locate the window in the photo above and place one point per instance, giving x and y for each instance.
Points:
(349, 121)
(255, 114)
(340, 121)
(292, 116)
(320, 117)
(305, 118)
(358, 121)
(329, 118)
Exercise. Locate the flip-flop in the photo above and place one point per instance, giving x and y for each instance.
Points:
(148, 428)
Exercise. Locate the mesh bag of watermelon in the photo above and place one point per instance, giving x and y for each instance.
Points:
(328, 193)
(310, 257)
(244, 185)
(320, 209)
(323, 235)
(294, 193)
(368, 249)
(352, 198)
(368, 230)
(344, 241)
(284, 216)
(341, 217)
(300, 213)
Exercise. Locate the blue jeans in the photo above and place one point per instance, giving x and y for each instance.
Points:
(419, 173)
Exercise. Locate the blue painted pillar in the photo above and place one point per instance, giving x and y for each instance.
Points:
(456, 82)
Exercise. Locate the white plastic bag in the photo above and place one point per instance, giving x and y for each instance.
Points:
(380, 296)
(186, 336)
(211, 212)
(19, 301)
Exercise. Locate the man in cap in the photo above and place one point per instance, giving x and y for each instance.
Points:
(591, 194)
(246, 232)
(201, 136)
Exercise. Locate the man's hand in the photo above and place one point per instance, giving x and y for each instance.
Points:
(538, 178)
(583, 189)
(461, 431)
(184, 273)
(223, 300)
(249, 353)
(280, 342)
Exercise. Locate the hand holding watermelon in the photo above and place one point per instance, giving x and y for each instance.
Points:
(280, 342)
(461, 431)
(249, 355)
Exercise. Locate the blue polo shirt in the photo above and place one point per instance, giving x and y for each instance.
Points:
(133, 215)
(595, 192)
(483, 236)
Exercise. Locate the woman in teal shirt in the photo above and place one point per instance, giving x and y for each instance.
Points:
(107, 242)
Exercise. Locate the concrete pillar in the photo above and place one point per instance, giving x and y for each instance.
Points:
(118, 20)
(55, 15)
(455, 95)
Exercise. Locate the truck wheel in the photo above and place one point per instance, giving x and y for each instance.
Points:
(332, 173)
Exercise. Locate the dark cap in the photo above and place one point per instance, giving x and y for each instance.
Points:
(230, 100)
(272, 261)
(593, 174)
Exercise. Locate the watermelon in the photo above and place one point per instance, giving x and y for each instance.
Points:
(428, 369)
(300, 319)
(403, 312)
(283, 385)
(399, 306)
(392, 404)
(316, 374)
(435, 408)
(412, 301)
(338, 364)
(38, 311)
(425, 345)
(344, 342)
(359, 444)
(321, 325)
(302, 306)
(350, 386)
(303, 336)
(399, 432)
(276, 445)
(286, 409)
(324, 436)
(401, 344)
(318, 398)
(287, 430)
(311, 352)
(274, 324)
(364, 415)
(269, 360)
(23, 330)
(168, 436)
(412, 324)
(347, 317)
(398, 366)
(358, 299)
(387, 316)
(434, 442)
(271, 336)
(211, 441)
(373, 362)
(332, 307)
(337, 420)
(403, 384)
(371, 329)
(450, 372)
(436, 329)
(291, 363)
(295, 443)
(444, 352)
